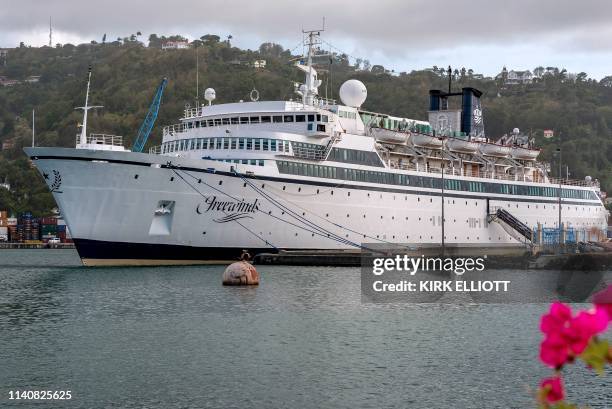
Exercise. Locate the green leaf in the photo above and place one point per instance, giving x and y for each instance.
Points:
(595, 355)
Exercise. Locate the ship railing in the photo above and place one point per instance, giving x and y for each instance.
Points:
(155, 150)
(309, 153)
(102, 139)
(492, 175)
(169, 130)
(192, 112)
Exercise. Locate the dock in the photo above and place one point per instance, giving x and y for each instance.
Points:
(8, 245)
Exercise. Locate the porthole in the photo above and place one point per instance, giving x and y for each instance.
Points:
(135, 176)
(299, 189)
(220, 182)
(418, 199)
(172, 179)
(430, 200)
(285, 187)
(199, 180)
(317, 191)
(244, 185)
(326, 214)
(263, 186)
(349, 193)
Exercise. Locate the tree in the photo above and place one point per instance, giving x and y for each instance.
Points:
(538, 71)
(378, 69)
(210, 39)
(606, 81)
(271, 50)
(581, 77)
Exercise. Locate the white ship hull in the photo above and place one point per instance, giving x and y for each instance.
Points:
(111, 203)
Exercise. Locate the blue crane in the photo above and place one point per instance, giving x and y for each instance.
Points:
(149, 121)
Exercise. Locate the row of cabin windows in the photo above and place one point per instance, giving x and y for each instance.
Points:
(346, 114)
(257, 144)
(260, 119)
(254, 162)
(358, 175)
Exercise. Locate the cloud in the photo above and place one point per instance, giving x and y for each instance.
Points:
(394, 30)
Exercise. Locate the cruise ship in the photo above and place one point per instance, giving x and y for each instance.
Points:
(310, 174)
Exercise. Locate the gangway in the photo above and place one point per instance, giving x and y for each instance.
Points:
(509, 220)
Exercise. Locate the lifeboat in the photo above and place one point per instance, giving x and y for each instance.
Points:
(493, 149)
(519, 152)
(388, 135)
(427, 141)
(461, 145)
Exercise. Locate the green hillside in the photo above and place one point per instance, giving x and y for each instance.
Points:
(125, 75)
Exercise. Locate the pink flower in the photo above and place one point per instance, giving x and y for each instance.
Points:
(554, 351)
(558, 318)
(603, 301)
(583, 327)
(553, 389)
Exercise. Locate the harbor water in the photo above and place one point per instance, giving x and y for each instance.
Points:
(175, 337)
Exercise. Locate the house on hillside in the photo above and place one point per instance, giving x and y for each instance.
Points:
(6, 82)
(259, 64)
(32, 79)
(175, 45)
(513, 77)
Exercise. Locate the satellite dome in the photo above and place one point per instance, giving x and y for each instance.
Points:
(210, 94)
(588, 178)
(515, 131)
(353, 93)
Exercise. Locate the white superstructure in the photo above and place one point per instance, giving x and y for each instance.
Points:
(306, 174)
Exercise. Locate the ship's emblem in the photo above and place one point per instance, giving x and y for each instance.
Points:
(57, 182)
(231, 210)
(477, 115)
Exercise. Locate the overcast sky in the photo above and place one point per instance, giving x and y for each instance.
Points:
(402, 35)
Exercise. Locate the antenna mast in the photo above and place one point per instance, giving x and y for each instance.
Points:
(50, 33)
(197, 77)
(83, 137)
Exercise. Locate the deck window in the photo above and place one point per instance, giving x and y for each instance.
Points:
(265, 119)
(277, 118)
(217, 121)
(241, 143)
(257, 144)
(311, 117)
(244, 119)
(300, 118)
(288, 118)
(249, 144)
(234, 120)
(233, 145)
(225, 121)
(254, 119)
(273, 145)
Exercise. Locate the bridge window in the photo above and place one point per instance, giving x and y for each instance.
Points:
(265, 119)
(244, 119)
(300, 118)
(234, 120)
(311, 118)
(254, 119)
(225, 121)
(288, 118)
(277, 118)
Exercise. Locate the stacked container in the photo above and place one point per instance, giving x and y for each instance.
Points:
(3, 225)
(48, 228)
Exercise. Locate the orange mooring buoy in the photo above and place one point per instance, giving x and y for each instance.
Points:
(241, 272)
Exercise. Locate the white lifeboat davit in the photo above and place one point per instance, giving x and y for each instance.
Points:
(461, 145)
(388, 135)
(427, 141)
(520, 152)
(493, 149)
